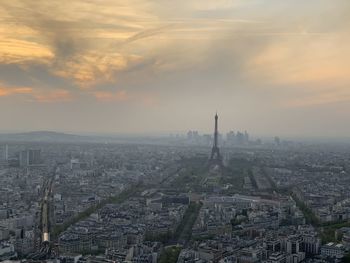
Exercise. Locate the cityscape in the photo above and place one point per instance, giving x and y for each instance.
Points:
(247, 201)
(189, 131)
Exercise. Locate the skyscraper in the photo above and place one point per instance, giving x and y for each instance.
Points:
(4, 153)
(30, 157)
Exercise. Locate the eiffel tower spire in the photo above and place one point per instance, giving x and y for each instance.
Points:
(215, 157)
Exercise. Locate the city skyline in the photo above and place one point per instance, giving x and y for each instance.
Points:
(143, 67)
(161, 131)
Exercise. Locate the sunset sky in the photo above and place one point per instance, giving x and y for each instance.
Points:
(272, 67)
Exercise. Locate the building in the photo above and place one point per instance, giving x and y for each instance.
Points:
(277, 258)
(30, 157)
(4, 154)
(7, 251)
(70, 258)
(333, 250)
(346, 239)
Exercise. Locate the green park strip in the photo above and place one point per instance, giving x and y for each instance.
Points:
(117, 199)
(170, 254)
(310, 217)
(327, 231)
(184, 230)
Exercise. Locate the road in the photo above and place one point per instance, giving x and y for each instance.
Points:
(45, 212)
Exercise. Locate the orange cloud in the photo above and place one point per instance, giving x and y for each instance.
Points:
(320, 98)
(39, 95)
(19, 51)
(313, 69)
(92, 68)
(121, 95)
(58, 95)
(7, 91)
(306, 59)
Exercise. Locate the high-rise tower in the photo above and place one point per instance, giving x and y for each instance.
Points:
(6, 152)
(215, 157)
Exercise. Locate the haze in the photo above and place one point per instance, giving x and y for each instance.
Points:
(270, 67)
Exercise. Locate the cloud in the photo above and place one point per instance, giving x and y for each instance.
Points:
(106, 96)
(306, 59)
(314, 98)
(13, 51)
(58, 95)
(91, 44)
(8, 91)
(92, 68)
(177, 55)
(36, 95)
(147, 100)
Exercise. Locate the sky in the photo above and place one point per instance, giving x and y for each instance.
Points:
(270, 67)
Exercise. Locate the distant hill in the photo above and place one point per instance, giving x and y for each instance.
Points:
(44, 136)
(50, 136)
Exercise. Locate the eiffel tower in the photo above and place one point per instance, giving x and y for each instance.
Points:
(215, 157)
